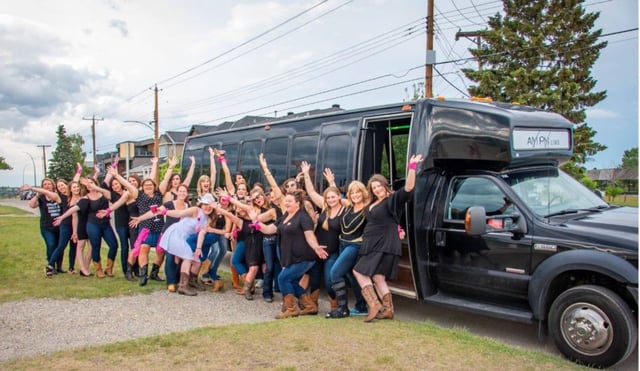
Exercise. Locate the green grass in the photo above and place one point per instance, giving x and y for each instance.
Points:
(624, 200)
(9, 210)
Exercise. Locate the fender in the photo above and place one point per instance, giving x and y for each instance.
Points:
(590, 260)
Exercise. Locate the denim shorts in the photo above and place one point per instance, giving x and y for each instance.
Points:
(152, 239)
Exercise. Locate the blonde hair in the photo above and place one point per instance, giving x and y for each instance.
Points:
(357, 185)
(325, 208)
(203, 178)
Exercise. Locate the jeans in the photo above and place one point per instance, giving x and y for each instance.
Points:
(217, 254)
(125, 245)
(289, 278)
(342, 268)
(171, 269)
(96, 233)
(237, 260)
(64, 235)
(50, 237)
(272, 265)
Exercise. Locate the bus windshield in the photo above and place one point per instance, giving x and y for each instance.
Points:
(550, 192)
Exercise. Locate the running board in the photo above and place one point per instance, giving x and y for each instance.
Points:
(484, 308)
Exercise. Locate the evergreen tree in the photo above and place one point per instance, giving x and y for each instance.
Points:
(67, 154)
(540, 53)
(4, 165)
(630, 159)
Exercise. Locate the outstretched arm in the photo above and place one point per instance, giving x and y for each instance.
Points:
(187, 178)
(212, 167)
(410, 182)
(228, 182)
(154, 168)
(132, 191)
(275, 188)
(33, 202)
(164, 184)
(317, 198)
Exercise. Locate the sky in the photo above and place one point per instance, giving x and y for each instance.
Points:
(62, 62)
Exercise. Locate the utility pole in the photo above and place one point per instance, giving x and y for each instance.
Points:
(93, 134)
(44, 157)
(478, 35)
(156, 132)
(430, 54)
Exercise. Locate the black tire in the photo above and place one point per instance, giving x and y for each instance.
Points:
(593, 326)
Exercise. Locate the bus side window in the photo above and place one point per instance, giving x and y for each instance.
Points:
(275, 151)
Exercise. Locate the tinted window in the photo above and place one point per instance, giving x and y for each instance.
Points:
(467, 192)
(304, 149)
(249, 163)
(231, 154)
(336, 151)
(275, 151)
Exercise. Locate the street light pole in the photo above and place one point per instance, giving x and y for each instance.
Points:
(44, 157)
(34, 167)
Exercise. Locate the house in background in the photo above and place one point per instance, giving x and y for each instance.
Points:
(626, 178)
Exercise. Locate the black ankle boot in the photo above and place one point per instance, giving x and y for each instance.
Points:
(155, 269)
(127, 274)
(143, 275)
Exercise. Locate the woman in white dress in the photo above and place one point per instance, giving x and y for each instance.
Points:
(194, 220)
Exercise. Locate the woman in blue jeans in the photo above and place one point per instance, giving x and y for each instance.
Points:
(48, 201)
(351, 228)
(298, 250)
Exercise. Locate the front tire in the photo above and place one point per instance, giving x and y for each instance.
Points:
(591, 325)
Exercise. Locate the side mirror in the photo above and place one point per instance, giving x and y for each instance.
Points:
(476, 222)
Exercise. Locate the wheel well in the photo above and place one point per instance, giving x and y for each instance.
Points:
(569, 279)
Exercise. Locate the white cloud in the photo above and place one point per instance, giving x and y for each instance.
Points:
(597, 113)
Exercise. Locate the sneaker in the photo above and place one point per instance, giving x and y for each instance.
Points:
(355, 312)
(268, 299)
(207, 280)
(259, 283)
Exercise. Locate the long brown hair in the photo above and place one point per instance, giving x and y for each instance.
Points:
(380, 179)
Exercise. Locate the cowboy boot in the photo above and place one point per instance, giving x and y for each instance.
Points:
(183, 286)
(143, 275)
(235, 279)
(248, 294)
(109, 270)
(155, 269)
(128, 274)
(240, 291)
(290, 307)
(308, 306)
(373, 302)
(387, 307)
(194, 282)
(315, 295)
(98, 267)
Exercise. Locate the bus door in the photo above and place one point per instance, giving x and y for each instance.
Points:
(383, 151)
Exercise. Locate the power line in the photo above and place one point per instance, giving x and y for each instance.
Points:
(243, 43)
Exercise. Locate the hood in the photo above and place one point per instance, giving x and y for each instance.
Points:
(616, 227)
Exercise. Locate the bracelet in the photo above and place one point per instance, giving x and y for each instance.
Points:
(79, 171)
(164, 212)
(225, 199)
(221, 159)
(412, 165)
(108, 211)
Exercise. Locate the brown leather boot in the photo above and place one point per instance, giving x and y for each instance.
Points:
(291, 307)
(387, 307)
(194, 282)
(248, 294)
(235, 279)
(308, 306)
(183, 286)
(369, 294)
(315, 295)
(240, 290)
(218, 286)
(98, 268)
(204, 267)
(109, 271)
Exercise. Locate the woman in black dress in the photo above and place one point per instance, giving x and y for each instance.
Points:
(381, 248)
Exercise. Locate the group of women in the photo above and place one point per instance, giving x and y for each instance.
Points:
(295, 239)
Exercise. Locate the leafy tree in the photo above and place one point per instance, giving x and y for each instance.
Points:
(630, 159)
(67, 154)
(540, 53)
(4, 165)
(418, 92)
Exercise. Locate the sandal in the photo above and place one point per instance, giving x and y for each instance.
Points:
(48, 271)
